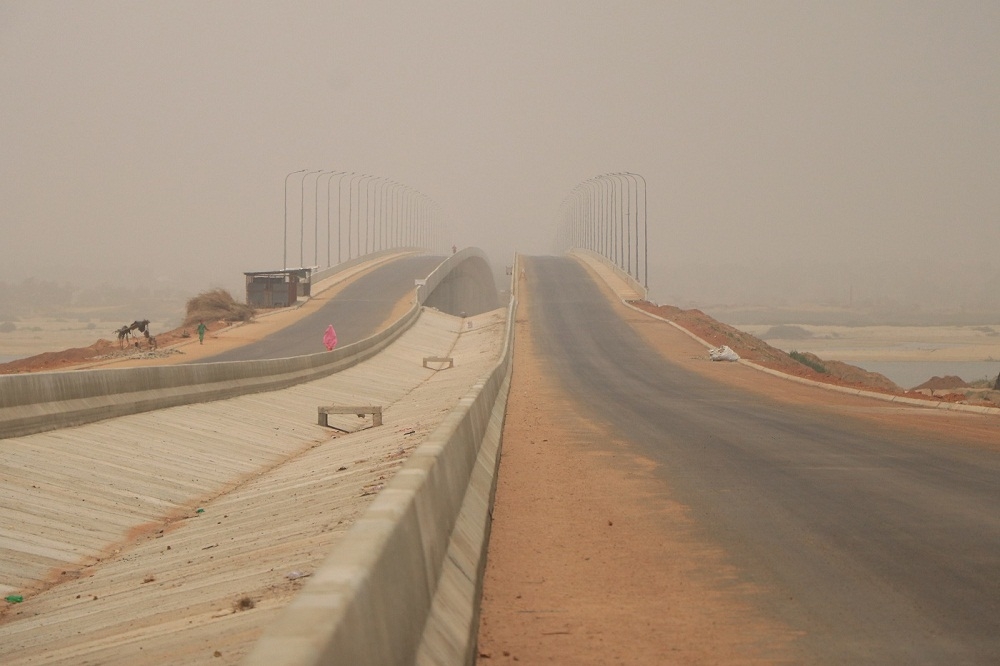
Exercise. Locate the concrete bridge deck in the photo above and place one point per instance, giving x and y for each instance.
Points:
(177, 536)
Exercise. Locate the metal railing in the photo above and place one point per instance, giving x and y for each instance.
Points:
(606, 214)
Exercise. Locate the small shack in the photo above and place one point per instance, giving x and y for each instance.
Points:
(277, 289)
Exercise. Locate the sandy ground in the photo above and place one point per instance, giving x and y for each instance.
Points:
(591, 561)
(45, 334)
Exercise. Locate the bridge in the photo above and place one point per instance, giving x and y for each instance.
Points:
(198, 512)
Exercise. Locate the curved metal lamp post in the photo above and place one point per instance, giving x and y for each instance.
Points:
(316, 215)
(329, 183)
(604, 214)
(394, 215)
(302, 217)
(284, 260)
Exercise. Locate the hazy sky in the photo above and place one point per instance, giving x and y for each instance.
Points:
(149, 141)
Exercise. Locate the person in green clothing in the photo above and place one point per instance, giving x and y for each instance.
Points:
(201, 332)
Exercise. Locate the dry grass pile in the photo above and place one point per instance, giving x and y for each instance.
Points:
(216, 305)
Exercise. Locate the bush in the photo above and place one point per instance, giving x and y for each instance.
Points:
(809, 361)
(216, 305)
(7, 327)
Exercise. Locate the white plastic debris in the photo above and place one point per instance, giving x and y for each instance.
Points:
(723, 353)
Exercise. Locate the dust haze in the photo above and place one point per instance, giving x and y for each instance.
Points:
(796, 153)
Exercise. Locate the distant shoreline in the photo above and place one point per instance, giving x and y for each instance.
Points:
(749, 316)
(908, 374)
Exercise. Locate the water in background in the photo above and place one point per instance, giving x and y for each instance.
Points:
(908, 374)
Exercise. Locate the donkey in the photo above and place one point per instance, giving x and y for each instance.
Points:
(123, 334)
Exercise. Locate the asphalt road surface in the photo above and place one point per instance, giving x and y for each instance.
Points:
(356, 313)
(882, 548)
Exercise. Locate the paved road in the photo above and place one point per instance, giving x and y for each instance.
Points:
(881, 548)
(356, 313)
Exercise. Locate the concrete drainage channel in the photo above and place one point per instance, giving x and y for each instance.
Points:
(404, 584)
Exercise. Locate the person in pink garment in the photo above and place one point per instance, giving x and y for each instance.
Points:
(330, 338)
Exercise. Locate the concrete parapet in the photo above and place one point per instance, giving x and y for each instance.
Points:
(449, 636)
(365, 260)
(36, 402)
(463, 283)
(633, 283)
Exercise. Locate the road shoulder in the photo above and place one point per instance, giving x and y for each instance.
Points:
(590, 560)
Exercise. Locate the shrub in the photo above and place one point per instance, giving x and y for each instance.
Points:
(7, 327)
(809, 361)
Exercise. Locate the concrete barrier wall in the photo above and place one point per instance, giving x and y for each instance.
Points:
(441, 272)
(451, 632)
(613, 266)
(404, 584)
(372, 257)
(36, 402)
(469, 288)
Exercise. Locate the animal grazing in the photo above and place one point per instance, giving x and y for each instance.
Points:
(123, 334)
(141, 325)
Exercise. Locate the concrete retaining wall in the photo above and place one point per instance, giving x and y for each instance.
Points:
(404, 585)
(36, 402)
